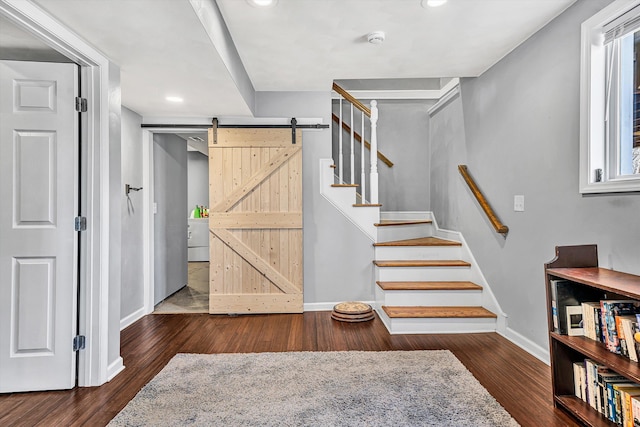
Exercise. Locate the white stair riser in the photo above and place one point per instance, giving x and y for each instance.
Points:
(417, 274)
(401, 232)
(343, 199)
(418, 252)
(342, 195)
(437, 325)
(433, 298)
(405, 216)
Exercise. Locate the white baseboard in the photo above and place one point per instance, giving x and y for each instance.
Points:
(115, 368)
(527, 345)
(132, 318)
(327, 306)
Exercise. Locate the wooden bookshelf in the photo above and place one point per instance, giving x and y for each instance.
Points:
(579, 264)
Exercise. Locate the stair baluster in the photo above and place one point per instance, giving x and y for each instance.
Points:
(373, 176)
(352, 163)
(363, 184)
(340, 156)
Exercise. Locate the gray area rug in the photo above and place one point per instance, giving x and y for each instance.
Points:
(351, 388)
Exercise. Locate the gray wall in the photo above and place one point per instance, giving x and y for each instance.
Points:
(517, 128)
(170, 227)
(337, 256)
(132, 289)
(197, 180)
(403, 131)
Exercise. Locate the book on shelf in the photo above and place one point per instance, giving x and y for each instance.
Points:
(591, 318)
(565, 293)
(627, 410)
(593, 373)
(583, 381)
(635, 331)
(611, 309)
(635, 410)
(604, 379)
(577, 386)
(619, 391)
(627, 341)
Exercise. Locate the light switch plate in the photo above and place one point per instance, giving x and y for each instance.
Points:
(518, 203)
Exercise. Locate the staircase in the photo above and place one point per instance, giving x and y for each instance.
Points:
(426, 283)
(426, 279)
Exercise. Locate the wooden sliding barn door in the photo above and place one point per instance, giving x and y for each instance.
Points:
(255, 221)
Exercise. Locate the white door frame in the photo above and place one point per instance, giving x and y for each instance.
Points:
(93, 363)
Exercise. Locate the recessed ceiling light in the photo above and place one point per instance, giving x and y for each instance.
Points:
(174, 99)
(262, 3)
(432, 3)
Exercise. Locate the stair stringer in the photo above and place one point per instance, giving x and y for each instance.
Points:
(474, 274)
(489, 300)
(343, 198)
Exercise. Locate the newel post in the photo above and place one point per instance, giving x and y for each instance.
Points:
(374, 152)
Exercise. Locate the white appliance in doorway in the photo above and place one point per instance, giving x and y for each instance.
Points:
(198, 240)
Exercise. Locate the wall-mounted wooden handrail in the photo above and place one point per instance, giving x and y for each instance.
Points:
(499, 226)
(346, 95)
(358, 138)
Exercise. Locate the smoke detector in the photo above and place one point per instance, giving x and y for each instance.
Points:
(376, 37)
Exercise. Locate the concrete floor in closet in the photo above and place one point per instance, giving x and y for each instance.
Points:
(193, 298)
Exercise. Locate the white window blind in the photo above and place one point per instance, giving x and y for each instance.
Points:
(623, 25)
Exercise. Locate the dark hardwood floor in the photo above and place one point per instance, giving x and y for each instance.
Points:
(520, 382)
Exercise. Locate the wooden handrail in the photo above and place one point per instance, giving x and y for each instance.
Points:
(384, 159)
(346, 95)
(499, 226)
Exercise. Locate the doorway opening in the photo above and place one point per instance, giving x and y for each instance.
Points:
(180, 194)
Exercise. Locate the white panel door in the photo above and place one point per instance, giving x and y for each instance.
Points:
(38, 244)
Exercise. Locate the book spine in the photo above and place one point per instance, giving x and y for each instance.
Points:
(603, 324)
(611, 402)
(635, 411)
(554, 305)
(598, 324)
(583, 382)
(576, 380)
(627, 326)
(621, 347)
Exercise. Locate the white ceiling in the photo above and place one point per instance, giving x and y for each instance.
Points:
(298, 45)
(306, 44)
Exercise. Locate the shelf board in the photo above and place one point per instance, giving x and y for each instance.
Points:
(598, 352)
(582, 411)
(623, 284)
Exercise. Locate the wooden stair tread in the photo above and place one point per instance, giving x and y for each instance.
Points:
(429, 286)
(422, 263)
(420, 241)
(344, 185)
(366, 205)
(391, 222)
(437, 312)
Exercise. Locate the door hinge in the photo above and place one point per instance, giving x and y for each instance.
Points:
(79, 342)
(81, 223)
(81, 104)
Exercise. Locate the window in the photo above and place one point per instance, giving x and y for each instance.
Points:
(610, 100)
